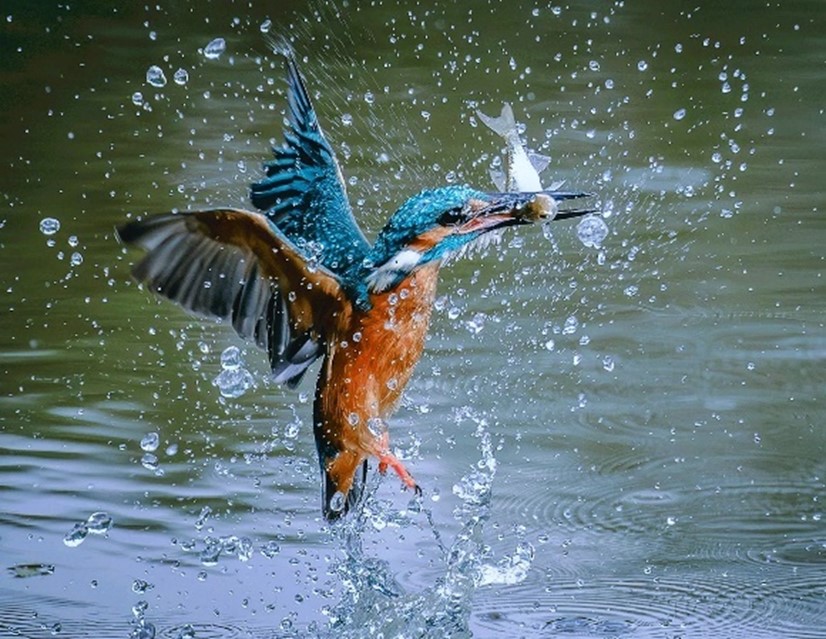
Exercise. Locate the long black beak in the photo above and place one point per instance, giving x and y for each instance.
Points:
(532, 205)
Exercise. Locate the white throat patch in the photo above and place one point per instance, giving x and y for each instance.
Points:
(398, 266)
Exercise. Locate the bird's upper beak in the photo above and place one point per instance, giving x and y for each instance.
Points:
(507, 209)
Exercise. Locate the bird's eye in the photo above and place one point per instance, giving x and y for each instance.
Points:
(452, 217)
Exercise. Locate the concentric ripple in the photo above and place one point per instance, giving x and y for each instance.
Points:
(656, 608)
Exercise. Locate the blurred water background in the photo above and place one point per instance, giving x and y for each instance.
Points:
(616, 441)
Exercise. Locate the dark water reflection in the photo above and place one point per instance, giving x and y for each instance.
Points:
(624, 442)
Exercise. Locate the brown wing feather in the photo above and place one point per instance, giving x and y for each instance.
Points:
(235, 265)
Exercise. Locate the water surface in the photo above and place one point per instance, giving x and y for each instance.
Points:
(616, 442)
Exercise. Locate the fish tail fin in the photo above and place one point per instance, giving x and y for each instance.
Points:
(504, 125)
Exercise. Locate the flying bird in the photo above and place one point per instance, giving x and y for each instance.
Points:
(299, 278)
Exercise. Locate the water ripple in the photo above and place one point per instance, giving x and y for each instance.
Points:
(695, 607)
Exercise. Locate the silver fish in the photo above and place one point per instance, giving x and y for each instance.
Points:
(522, 166)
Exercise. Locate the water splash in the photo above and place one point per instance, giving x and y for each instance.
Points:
(374, 604)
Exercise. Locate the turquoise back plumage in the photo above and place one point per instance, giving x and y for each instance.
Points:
(303, 193)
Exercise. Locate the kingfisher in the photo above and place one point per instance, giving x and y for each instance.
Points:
(299, 278)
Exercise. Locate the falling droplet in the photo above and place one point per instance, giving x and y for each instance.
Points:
(150, 442)
(49, 226)
(99, 523)
(76, 535)
(155, 76)
(215, 48)
(181, 77)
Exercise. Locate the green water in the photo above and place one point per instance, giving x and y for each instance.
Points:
(618, 442)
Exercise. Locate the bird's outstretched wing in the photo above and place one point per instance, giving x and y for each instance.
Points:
(235, 265)
(304, 193)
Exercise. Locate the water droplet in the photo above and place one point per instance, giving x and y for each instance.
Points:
(270, 549)
(631, 291)
(369, 98)
(150, 442)
(571, 325)
(337, 501)
(550, 345)
(139, 586)
(99, 523)
(642, 65)
(234, 380)
(137, 98)
(49, 226)
(593, 65)
(353, 419)
(592, 231)
(76, 535)
(679, 114)
(155, 76)
(181, 76)
(215, 48)
(150, 461)
(266, 26)
(346, 119)
(608, 363)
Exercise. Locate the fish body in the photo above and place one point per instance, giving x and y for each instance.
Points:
(522, 166)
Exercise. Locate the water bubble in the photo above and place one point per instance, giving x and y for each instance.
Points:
(181, 77)
(215, 48)
(206, 511)
(550, 345)
(593, 65)
(353, 419)
(679, 114)
(270, 549)
(186, 632)
(346, 119)
(76, 535)
(266, 26)
(49, 226)
(155, 76)
(592, 231)
(632, 290)
(642, 65)
(150, 442)
(137, 98)
(99, 523)
(608, 363)
(76, 259)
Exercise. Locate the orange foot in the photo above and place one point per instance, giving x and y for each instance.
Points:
(388, 459)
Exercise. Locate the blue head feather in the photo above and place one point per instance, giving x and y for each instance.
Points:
(418, 215)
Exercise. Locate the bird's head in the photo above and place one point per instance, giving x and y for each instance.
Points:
(439, 224)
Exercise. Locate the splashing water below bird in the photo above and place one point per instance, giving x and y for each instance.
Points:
(374, 604)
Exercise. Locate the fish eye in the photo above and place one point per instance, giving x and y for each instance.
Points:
(452, 217)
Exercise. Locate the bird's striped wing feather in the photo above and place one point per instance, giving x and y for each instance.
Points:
(235, 265)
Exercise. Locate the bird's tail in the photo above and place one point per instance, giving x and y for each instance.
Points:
(504, 125)
(336, 504)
